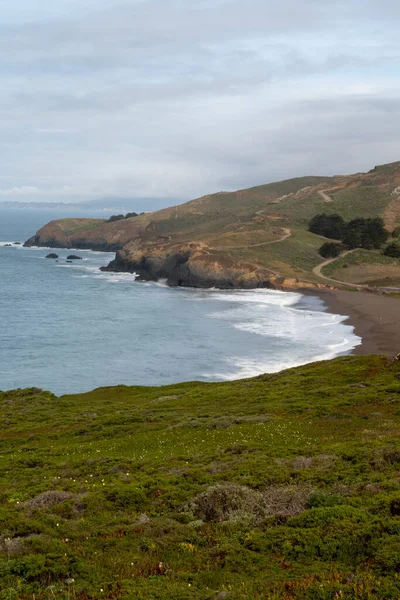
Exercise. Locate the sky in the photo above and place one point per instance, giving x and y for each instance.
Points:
(180, 98)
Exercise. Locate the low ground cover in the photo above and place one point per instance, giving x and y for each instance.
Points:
(282, 486)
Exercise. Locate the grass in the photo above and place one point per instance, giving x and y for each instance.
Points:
(72, 226)
(282, 486)
(362, 201)
(300, 251)
(367, 266)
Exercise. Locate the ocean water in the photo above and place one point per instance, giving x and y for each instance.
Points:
(71, 328)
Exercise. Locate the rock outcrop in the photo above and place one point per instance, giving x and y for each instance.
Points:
(194, 265)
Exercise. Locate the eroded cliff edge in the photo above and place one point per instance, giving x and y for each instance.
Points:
(194, 265)
(153, 257)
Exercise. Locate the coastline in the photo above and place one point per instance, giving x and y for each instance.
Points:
(375, 318)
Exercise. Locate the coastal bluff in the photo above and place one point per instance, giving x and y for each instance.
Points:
(191, 264)
(252, 238)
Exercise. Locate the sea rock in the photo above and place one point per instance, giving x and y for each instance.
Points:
(74, 257)
(52, 255)
(7, 245)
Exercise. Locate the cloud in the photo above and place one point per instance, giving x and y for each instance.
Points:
(24, 190)
(183, 98)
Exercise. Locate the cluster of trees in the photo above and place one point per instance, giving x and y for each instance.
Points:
(120, 217)
(330, 226)
(358, 233)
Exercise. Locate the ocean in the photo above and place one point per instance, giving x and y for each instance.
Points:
(71, 328)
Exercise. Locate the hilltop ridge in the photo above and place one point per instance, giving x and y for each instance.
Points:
(256, 237)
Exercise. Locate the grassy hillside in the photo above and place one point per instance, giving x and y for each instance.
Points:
(242, 237)
(282, 487)
(363, 266)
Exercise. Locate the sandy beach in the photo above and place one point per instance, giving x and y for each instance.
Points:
(375, 318)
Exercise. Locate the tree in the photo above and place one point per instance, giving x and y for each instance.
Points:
(396, 232)
(365, 233)
(330, 226)
(375, 232)
(392, 249)
(330, 250)
(352, 238)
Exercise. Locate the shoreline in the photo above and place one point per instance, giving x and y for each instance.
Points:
(375, 318)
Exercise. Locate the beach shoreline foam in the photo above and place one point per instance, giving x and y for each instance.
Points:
(375, 318)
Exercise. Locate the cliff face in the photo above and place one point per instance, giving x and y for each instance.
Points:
(194, 265)
(92, 234)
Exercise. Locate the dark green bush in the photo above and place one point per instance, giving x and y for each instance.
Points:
(319, 499)
(127, 497)
(330, 250)
(393, 250)
(396, 232)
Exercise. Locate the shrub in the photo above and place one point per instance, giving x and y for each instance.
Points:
(127, 498)
(230, 501)
(128, 215)
(330, 250)
(319, 499)
(286, 500)
(388, 556)
(47, 499)
(393, 250)
(225, 501)
(396, 232)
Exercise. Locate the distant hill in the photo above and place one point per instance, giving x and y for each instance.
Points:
(248, 238)
(142, 204)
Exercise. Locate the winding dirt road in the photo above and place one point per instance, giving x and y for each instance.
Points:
(288, 233)
(318, 271)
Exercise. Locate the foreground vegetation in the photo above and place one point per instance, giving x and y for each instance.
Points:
(283, 486)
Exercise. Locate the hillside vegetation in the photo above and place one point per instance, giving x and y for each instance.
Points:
(284, 486)
(249, 238)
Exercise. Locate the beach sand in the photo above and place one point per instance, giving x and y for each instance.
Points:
(375, 318)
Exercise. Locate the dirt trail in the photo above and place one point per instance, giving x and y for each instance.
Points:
(288, 233)
(325, 196)
(318, 271)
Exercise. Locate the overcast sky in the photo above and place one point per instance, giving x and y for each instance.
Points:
(178, 98)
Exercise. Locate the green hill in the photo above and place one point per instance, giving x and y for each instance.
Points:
(249, 238)
(283, 486)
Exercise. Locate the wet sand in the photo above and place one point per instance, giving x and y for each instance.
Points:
(375, 318)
